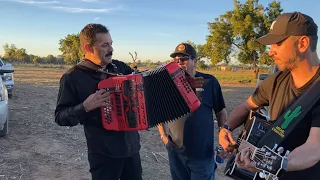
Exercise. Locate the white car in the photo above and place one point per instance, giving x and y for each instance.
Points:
(4, 113)
(7, 77)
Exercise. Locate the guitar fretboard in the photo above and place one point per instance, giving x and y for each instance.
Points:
(245, 144)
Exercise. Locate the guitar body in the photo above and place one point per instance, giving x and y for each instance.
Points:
(234, 172)
(255, 127)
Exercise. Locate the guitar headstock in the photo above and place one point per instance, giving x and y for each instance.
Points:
(269, 161)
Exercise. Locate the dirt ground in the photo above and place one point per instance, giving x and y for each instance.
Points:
(38, 149)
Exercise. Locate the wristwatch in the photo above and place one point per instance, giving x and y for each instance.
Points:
(162, 135)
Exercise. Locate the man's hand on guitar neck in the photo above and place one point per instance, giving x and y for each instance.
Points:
(243, 161)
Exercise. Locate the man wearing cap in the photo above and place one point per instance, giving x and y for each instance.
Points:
(190, 141)
(293, 39)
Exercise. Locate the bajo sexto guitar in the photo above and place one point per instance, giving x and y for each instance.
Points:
(266, 159)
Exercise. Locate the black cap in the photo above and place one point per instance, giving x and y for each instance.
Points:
(186, 49)
(289, 24)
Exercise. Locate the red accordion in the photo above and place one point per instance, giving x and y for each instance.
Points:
(144, 100)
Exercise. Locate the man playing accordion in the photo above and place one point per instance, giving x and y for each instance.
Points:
(112, 155)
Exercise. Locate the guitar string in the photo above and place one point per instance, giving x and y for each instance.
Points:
(262, 153)
(257, 158)
(258, 152)
(247, 144)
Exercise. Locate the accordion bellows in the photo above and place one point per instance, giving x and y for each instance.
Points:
(144, 100)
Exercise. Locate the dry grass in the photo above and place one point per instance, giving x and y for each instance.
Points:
(50, 76)
(38, 75)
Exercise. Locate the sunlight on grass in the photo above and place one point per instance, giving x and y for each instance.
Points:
(38, 75)
(50, 76)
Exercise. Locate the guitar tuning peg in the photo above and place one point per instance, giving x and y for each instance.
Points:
(280, 150)
(275, 147)
(262, 175)
(287, 153)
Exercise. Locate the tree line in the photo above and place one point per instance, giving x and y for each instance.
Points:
(20, 55)
(231, 35)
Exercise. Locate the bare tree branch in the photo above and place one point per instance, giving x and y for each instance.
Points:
(134, 58)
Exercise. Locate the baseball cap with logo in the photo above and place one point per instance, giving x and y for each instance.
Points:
(185, 49)
(289, 24)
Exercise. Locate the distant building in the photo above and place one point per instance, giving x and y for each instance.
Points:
(222, 66)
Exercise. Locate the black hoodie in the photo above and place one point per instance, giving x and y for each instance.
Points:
(75, 86)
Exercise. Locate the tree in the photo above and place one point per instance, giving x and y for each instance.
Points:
(71, 48)
(272, 12)
(21, 55)
(50, 59)
(149, 63)
(199, 49)
(134, 58)
(139, 63)
(219, 43)
(36, 60)
(9, 52)
(13, 53)
(201, 65)
(236, 31)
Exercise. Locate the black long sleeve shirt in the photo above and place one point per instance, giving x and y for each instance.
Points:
(75, 86)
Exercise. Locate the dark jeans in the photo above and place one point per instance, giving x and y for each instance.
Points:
(106, 168)
(184, 168)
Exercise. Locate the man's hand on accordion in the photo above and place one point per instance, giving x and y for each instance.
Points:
(95, 100)
(195, 82)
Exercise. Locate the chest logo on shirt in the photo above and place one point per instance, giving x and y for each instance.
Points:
(289, 116)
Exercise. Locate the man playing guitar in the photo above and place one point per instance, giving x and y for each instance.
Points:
(293, 39)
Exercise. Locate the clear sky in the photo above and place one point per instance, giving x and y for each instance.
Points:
(151, 27)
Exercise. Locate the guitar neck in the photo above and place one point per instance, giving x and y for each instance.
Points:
(245, 144)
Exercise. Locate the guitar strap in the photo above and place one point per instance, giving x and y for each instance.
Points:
(287, 122)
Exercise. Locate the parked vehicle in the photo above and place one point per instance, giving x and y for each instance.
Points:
(272, 69)
(8, 77)
(4, 113)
